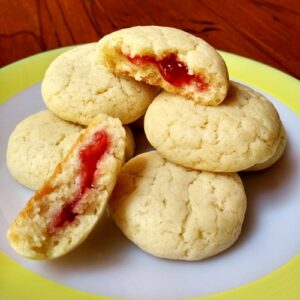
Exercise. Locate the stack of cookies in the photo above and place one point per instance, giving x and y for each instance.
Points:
(184, 200)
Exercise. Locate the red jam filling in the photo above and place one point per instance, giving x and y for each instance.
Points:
(89, 157)
(172, 70)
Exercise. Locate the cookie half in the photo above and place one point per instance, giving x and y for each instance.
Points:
(40, 142)
(241, 132)
(77, 89)
(177, 213)
(64, 211)
(170, 58)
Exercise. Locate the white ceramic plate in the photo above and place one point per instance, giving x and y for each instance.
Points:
(108, 264)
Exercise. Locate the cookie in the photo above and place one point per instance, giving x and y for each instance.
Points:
(177, 213)
(276, 156)
(40, 142)
(63, 212)
(37, 145)
(241, 132)
(172, 59)
(77, 89)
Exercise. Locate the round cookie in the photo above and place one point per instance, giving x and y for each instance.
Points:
(172, 59)
(276, 156)
(39, 143)
(177, 213)
(77, 89)
(241, 132)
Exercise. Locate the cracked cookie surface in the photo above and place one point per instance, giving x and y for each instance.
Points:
(175, 60)
(77, 89)
(276, 156)
(241, 132)
(177, 213)
(39, 143)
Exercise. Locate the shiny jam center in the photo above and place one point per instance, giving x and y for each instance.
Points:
(172, 70)
(89, 156)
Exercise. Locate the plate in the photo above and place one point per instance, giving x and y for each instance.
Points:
(263, 264)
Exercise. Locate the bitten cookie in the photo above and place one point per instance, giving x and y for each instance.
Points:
(241, 132)
(177, 213)
(175, 60)
(64, 211)
(40, 142)
(77, 89)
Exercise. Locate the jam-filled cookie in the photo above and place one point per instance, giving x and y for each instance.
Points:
(175, 60)
(77, 89)
(40, 142)
(64, 211)
(177, 213)
(241, 132)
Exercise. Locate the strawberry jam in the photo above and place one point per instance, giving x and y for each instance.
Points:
(172, 70)
(89, 157)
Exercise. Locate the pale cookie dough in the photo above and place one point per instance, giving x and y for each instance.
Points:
(241, 132)
(40, 142)
(177, 213)
(276, 156)
(77, 89)
(175, 60)
(60, 215)
(37, 145)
